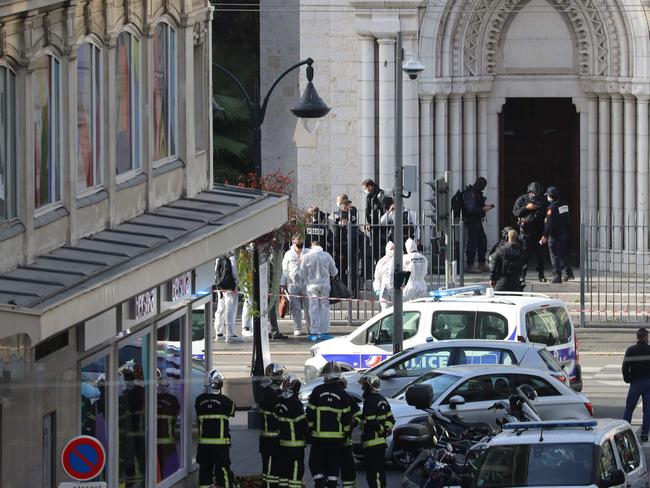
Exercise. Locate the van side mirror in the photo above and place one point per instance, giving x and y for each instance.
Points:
(419, 396)
(617, 478)
(455, 401)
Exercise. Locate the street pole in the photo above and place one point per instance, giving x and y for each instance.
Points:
(398, 305)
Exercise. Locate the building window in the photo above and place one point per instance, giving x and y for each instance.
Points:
(47, 131)
(128, 103)
(7, 144)
(164, 92)
(89, 116)
(200, 103)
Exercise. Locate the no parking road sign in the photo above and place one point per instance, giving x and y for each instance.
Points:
(83, 458)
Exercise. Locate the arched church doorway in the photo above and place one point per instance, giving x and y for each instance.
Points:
(540, 141)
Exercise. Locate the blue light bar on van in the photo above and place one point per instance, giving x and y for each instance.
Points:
(477, 289)
(550, 424)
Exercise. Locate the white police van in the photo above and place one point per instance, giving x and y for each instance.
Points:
(587, 453)
(471, 312)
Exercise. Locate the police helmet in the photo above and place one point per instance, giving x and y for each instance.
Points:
(215, 380)
(553, 192)
(535, 188)
(331, 371)
(290, 385)
(370, 383)
(275, 371)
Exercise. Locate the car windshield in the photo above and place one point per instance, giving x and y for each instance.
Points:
(530, 465)
(392, 360)
(438, 381)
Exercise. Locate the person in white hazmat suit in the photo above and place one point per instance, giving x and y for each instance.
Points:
(417, 264)
(383, 283)
(292, 282)
(318, 267)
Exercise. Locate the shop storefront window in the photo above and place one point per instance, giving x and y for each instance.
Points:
(198, 369)
(94, 403)
(133, 372)
(170, 386)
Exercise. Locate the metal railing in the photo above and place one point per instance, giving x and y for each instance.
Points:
(615, 270)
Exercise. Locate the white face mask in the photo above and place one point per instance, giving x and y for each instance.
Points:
(549, 198)
(366, 191)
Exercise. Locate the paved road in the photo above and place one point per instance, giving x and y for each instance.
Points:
(601, 356)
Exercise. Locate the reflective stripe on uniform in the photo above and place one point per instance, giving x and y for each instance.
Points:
(214, 441)
(294, 443)
(374, 442)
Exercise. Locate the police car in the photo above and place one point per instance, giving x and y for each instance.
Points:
(592, 453)
(472, 312)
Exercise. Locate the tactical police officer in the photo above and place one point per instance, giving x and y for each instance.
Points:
(213, 454)
(376, 425)
(292, 430)
(329, 419)
(556, 233)
(375, 208)
(530, 209)
(270, 389)
(318, 229)
(474, 211)
(506, 264)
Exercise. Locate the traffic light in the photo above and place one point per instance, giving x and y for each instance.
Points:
(401, 278)
(439, 201)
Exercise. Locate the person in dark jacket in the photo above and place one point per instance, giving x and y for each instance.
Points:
(345, 220)
(348, 466)
(329, 419)
(506, 264)
(292, 431)
(530, 209)
(556, 234)
(636, 372)
(213, 452)
(376, 425)
(375, 208)
(474, 211)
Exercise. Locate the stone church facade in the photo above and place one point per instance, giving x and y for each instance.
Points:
(550, 90)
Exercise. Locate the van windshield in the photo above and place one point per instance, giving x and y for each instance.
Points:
(530, 464)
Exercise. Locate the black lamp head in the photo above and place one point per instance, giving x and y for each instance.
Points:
(311, 105)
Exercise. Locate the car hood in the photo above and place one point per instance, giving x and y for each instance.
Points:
(402, 409)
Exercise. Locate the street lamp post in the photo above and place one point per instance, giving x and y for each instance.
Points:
(310, 106)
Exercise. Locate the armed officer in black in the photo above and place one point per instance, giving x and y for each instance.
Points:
(213, 410)
(270, 392)
(292, 430)
(376, 425)
(556, 234)
(506, 263)
(530, 209)
(329, 419)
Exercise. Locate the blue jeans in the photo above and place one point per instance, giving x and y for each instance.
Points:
(639, 388)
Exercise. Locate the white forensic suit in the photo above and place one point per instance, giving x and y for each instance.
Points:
(293, 281)
(383, 283)
(318, 267)
(227, 307)
(417, 264)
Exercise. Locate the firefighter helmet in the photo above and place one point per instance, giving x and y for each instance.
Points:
(370, 383)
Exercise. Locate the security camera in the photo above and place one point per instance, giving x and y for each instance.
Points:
(412, 67)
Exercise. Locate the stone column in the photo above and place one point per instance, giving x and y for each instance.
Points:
(367, 108)
(441, 163)
(69, 163)
(469, 139)
(25, 78)
(642, 172)
(455, 143)
(617, 170)
(604, 169)
(110, 118)
(629, 169)
(482, 134)
(426, 150)
(386, 112)
(592, 159)
(185, 143)
(411, 118)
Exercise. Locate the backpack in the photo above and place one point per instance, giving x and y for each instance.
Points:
(224, 278)
(458, 202)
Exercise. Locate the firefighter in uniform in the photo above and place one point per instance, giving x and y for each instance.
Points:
(376, 425)
(556, 234)
(292, 430)
(348, 466)
(168, 411)
(213, 410)
(329, 419)
(270, 392)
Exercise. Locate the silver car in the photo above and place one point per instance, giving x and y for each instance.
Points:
(400, 370)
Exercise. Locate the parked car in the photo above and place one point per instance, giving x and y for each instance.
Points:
(600, 453)
(469, 391)
(453, 314)
(398, 371)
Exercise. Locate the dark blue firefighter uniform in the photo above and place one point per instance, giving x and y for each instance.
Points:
(473, 214)
(556, 231)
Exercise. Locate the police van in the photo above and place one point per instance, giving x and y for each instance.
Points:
(471, 312)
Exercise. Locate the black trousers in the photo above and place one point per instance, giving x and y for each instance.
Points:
(214, 466)
(348, 468)
(508, 284)
(375, 461)
(325, 464)
(476, 242)
(557, 251)
(269, 448)
(291, 464)
(531, 246)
